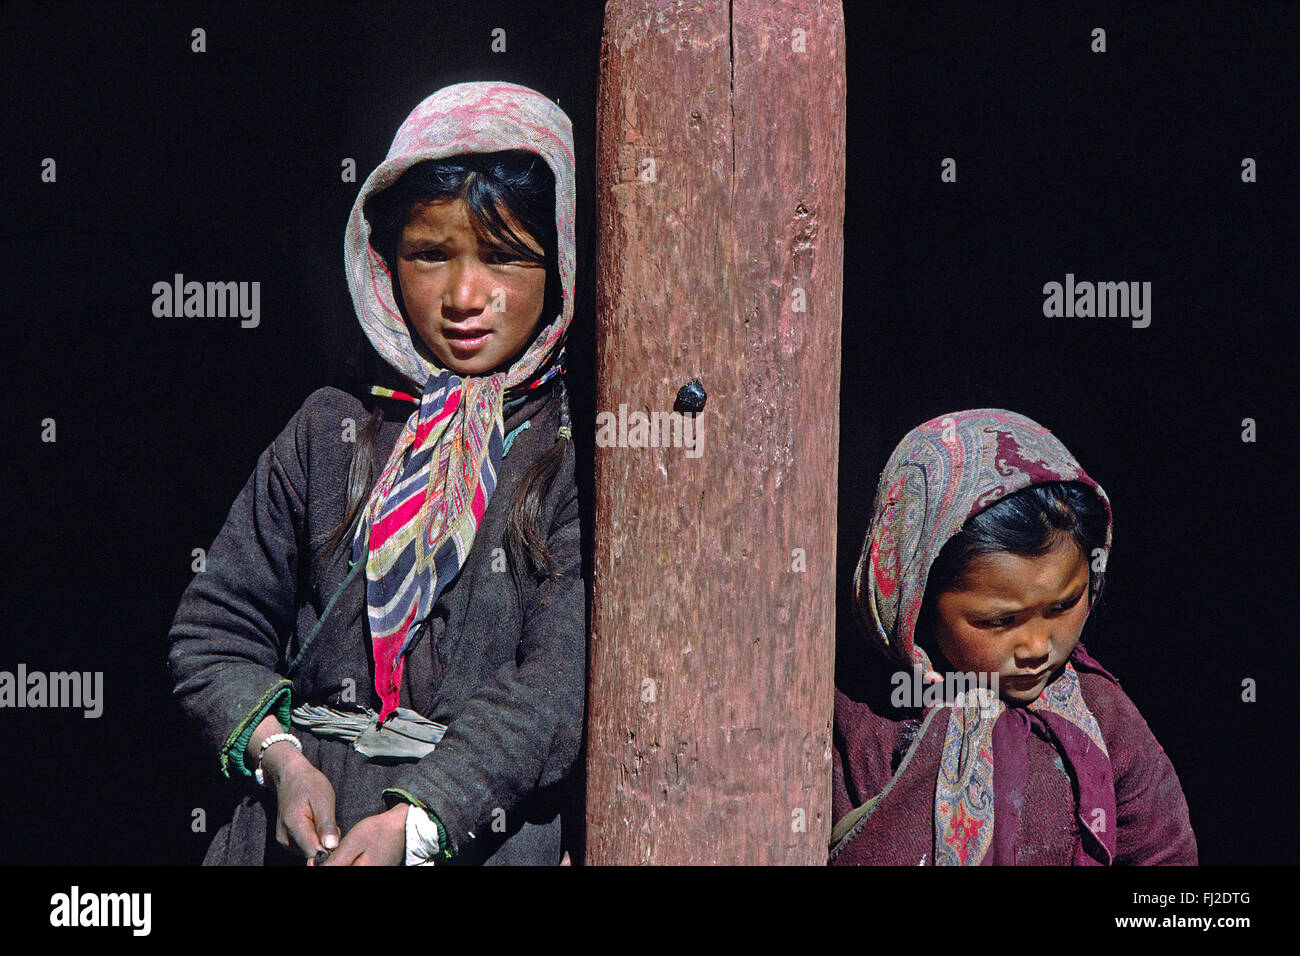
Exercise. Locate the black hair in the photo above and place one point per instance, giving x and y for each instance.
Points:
(1029, 523)
(524, 185)
(490, 183)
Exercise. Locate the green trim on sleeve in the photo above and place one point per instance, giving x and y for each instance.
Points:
(407, 798)
(277, 699)
(445, 852)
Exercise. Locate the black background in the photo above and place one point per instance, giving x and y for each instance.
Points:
(225, 166)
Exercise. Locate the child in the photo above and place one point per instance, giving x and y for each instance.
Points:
(400, 660)
(985, 555)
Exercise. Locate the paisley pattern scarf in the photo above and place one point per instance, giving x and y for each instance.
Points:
(941, 474)
(421, 518)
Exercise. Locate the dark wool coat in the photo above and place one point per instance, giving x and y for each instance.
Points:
(499, 662)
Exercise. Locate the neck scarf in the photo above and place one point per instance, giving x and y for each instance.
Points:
(419, 523)
(941, 474)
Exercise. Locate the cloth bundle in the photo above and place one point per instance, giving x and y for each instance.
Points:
(406, 735)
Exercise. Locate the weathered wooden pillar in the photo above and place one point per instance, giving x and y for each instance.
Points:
(721, 206)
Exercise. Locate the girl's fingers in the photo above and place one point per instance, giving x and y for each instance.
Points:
(322, 809)
(345, 855)
(302, 831)
(328, 834)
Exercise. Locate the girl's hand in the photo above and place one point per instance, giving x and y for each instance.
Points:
(304, 798)
(378, 840)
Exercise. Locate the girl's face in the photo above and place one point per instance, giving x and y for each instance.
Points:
(474, 305)
(1017, 617)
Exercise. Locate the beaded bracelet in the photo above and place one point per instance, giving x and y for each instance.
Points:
(261, 751)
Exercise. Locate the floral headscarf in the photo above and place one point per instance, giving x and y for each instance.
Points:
(941, 474)
(420, 521)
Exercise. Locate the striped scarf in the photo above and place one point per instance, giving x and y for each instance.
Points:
(420, 521)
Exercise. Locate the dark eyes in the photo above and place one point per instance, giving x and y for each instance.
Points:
(1066, 605)
(996, 623)
(495, 256)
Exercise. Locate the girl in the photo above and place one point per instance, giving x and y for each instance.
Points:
(985, 555)
(399, 660)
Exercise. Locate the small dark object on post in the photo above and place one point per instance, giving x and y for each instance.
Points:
(690, 397)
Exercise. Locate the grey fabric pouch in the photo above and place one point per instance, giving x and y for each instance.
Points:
(406, 735)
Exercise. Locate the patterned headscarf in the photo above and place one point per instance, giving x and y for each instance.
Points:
(419, 523)
(941, 474)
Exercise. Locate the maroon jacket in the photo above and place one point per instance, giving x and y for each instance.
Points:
(1153, 824)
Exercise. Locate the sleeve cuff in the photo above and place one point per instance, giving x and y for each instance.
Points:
(277, 699)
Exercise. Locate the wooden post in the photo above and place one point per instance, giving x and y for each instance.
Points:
(720, 185)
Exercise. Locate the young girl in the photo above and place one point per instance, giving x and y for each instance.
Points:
(985, 555)
(399, 660)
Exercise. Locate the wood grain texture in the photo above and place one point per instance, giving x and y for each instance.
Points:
(712, 651)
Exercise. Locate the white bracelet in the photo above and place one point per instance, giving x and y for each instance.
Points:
(261, 751)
